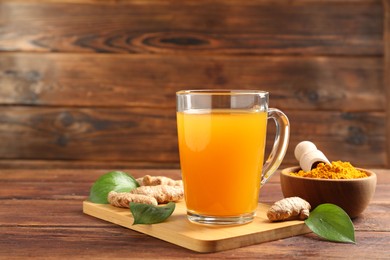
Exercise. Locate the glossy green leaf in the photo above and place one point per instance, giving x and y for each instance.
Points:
(331, 222)
(150, 214)
(113, 181)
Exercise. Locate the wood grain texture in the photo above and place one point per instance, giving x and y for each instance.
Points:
(375, 218)
(64, 232)
(340, 27)
(83, 164)
(87, 83)
(148, 134)
(298, 83)
(82, 175)
(205, 239)
(386, 80)
(99, 243)
(46, 184)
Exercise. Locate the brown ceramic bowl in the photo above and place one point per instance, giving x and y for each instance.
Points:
(352, 195)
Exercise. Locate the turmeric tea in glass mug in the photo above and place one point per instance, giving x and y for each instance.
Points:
(222, 136)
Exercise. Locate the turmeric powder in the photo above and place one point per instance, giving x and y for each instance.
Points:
(336, 170)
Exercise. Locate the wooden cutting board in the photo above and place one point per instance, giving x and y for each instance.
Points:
(201, 238)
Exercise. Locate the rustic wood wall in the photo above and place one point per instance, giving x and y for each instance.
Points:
(92, 83)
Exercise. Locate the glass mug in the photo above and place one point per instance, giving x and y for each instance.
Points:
(222, 136)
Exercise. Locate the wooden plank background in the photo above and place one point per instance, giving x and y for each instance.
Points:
(92, 83)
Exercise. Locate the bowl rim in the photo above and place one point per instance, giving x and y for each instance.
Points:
(371, 175)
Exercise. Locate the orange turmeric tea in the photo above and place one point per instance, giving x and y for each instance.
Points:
(221, 156)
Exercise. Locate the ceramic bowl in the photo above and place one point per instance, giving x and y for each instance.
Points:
(352, 195)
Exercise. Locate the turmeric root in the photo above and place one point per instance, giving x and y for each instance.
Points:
(162, 193)
(122, 199)
(148, 180)
(288, 209)
(153, 190)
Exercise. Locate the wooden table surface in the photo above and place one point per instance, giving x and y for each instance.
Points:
(41, 217)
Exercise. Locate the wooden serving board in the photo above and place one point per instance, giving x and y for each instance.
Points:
(202, 238)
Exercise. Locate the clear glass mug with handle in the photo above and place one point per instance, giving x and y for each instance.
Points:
(222, 135)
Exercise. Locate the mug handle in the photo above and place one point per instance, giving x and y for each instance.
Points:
(280, 144)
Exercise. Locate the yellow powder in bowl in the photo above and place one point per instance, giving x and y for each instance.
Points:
(337, 170)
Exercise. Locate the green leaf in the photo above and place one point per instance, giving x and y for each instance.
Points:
(331, 222)
(150, 214)
(113, 181)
